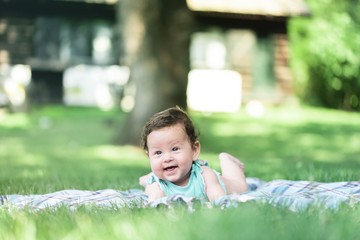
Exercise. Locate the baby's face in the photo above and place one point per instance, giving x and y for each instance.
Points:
(171, 154)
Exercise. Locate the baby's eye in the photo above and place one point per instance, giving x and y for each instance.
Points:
(157, 153)
(175, 148)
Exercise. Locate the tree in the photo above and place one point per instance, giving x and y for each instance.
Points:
(155, 36)
(325, 50)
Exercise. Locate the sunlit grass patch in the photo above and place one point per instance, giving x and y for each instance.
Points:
(286, 143)
(20, 120)
(127, 155)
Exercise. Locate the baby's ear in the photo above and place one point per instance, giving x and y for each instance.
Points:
(196, 150)
(196, 144)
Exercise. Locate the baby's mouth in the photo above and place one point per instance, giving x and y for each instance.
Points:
(170, 168)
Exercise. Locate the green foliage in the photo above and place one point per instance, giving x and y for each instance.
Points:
(325, 57)
(56, 148)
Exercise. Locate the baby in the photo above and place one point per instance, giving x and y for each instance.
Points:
(172, 146)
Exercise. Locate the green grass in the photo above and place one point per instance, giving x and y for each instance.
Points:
(55, 148)
(308, 143)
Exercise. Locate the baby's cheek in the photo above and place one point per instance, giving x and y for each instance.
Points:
(157, 170)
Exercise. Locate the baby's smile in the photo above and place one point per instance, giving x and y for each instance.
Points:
(170, 169)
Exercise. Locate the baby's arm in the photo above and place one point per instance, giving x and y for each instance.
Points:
(154, 191)
(212, 186)
(143, 179)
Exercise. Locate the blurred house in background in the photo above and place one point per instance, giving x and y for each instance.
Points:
(51, 38)
(248, 37)
(241, 48)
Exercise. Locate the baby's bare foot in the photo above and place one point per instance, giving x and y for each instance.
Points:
(227, 157)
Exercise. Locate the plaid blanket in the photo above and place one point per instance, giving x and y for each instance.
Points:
(295, 195)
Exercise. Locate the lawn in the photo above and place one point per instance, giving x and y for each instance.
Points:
(55, 148)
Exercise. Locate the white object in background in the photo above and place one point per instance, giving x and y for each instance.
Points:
(214, 90)
(93, 85)
(255, 109)
(14, 80)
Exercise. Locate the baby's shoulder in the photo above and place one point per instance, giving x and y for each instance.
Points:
(201, 163)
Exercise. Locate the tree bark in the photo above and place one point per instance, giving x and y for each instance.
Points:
(155, 38)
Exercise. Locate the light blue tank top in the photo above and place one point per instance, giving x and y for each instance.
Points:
(194, 188)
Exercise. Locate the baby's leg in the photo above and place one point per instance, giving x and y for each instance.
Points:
(232, 171)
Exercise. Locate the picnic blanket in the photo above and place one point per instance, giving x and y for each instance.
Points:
(294, 195)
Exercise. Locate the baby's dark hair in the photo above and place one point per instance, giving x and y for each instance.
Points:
(167, 118)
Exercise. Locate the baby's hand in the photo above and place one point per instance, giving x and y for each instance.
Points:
(143, 180)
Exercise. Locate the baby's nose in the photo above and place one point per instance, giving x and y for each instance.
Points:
(168, 157)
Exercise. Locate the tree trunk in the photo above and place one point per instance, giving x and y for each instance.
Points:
(155, 39)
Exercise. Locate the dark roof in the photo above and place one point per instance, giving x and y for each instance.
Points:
(272, 8)
(105, 8)
(276, 8)
(81, 9)
(110, 2)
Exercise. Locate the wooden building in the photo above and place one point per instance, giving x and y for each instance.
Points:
(52, 35)
(254, 34)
